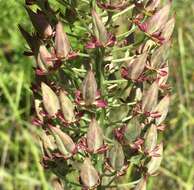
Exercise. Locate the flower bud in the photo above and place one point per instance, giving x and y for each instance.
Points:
(40, 64)
(150, 98)
(67, 107)
(142, 184)
(50, 100)
(62, 43)
(132, 131)
(152, 5)
(64, 142)
(162, 109)
(45, 56)
(136, 66)
(40, 23)
(57, 185)
(47, 144)
(89, 88)
(155, 161)
(99, 28)
(116, 157)
(94, 136)
(168, 29)
(88, 174)
(159, 56)
(151, 138)
(156, 22)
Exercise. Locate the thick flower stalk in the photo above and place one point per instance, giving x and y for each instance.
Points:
(101, 95)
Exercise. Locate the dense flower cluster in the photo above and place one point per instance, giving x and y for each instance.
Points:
(100, 91)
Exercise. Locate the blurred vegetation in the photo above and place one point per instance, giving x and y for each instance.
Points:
(19, 154)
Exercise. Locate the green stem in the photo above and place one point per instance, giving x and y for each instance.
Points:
(100, 77)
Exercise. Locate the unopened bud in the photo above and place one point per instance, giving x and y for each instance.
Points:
(64, 142)
(152, 5)
(45, 56)
(156, 22)
(162, 109)
(160, 56)
(94, 136)
(88, 174)
(116, 157)
(155, 161)
(136, 66)
(57, 185)
(150, 98)
(62, 43)
(168, 29)
(89, 88)
(48, 144)
(50, 100)
(151, 138)
(99, 28)
(142, 184)
(67, 107)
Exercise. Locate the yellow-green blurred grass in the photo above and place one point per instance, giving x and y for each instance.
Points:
(19, 154)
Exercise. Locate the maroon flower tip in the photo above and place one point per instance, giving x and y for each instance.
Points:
(93, 43)
(77, 96)
(119, 133)
(101, 103)
(142, 26)
(36, 122)
(124, 73)
(40, 72)
(72, 55)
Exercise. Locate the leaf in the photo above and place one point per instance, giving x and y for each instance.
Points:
(50, 100)
(118, 113)
(40, 23)
(32, 40)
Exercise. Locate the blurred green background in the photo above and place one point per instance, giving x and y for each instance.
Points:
(19, 154)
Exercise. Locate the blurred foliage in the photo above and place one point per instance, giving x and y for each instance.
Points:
(19, 156)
